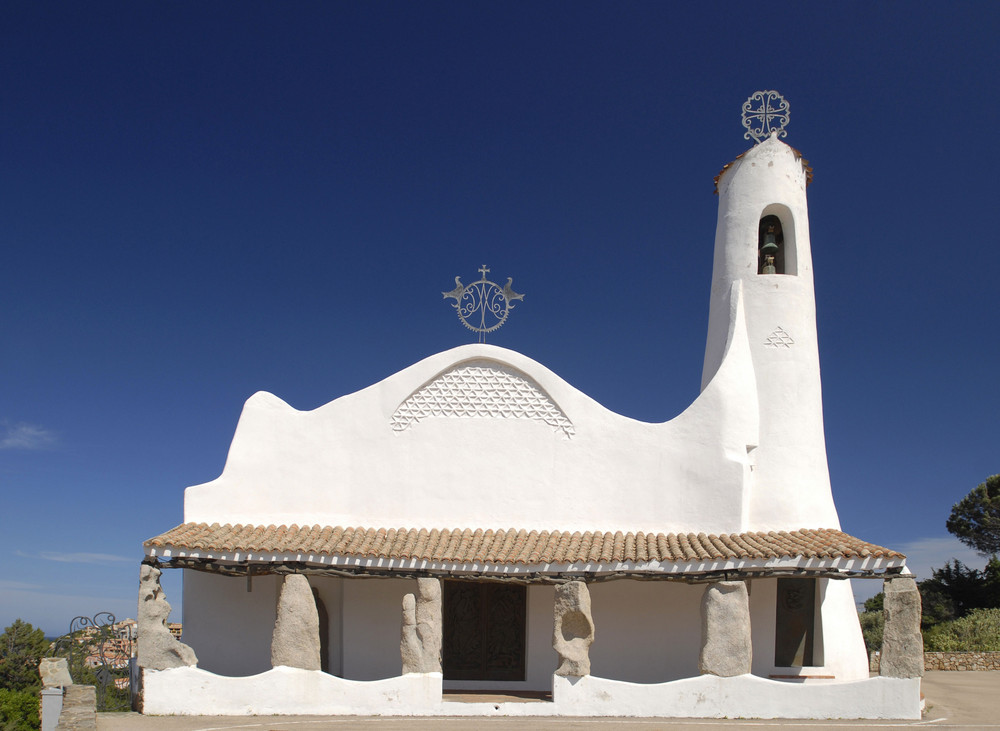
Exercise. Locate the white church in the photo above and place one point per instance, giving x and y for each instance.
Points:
(474, 522)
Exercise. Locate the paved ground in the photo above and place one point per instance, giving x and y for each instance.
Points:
(955, 700)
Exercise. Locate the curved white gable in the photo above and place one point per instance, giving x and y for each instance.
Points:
(480, 436)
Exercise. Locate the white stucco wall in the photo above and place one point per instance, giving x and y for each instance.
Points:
(791, 483)
(838, 645)
(331, 594)
(228, 627)
(345, 464)
(645, 631)
(372, 619)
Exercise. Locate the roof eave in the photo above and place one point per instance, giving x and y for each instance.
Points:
(274, 562)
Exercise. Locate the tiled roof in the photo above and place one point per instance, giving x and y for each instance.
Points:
(509, 546)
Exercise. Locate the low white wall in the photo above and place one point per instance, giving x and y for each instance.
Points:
(290, 691)
(745, 696)
(285, 691)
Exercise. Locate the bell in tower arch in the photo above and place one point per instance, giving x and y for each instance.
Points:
(770, 246)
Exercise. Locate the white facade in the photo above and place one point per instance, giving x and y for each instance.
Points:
(483, 437)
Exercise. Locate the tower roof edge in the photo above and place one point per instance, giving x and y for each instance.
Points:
(769, 141)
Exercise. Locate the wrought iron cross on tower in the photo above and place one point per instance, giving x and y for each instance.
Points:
(765, 113)
(483, 306)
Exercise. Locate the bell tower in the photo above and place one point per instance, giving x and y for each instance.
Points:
(763, 256)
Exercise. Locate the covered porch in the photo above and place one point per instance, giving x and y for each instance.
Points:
(677, 618)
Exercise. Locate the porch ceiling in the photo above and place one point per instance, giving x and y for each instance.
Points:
(529, 555)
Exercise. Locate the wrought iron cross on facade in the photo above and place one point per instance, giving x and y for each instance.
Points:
(483, 306)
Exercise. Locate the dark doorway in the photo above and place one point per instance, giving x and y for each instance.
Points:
(484, 630)
(795, 623)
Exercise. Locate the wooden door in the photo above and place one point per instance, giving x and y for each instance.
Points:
(484, 630)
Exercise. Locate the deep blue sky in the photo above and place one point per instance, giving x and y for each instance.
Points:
(202, 200)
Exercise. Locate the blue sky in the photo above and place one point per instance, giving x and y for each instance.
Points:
(203, 200)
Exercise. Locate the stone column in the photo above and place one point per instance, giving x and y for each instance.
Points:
(726, 647)
(573, 632)
(902, 643)
(157, 648)
(295, 642)
(420, 642)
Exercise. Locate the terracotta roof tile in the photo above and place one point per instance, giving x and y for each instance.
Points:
(512, 546)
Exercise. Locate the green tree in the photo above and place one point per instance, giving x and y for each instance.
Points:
(966, 588)
(975, 519)
(872, 627)
(18, 710)
(935, 605)
(21, 648)
(875, 603)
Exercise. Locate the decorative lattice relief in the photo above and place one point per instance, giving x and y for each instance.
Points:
(778, 339)
(481, 391)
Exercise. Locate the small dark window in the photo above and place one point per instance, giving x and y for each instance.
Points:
(484, 630)
(770, 246)
(795, 623)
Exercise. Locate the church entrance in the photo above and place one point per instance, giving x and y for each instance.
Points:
(484, 630)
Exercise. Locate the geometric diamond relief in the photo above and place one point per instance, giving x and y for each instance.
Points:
(482, 390)
(779, 339)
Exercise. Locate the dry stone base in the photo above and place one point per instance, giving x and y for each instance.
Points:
(79, 709)
(962, 661)
(295, 642)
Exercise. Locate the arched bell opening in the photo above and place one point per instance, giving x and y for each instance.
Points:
(770, 246)
(776, 242)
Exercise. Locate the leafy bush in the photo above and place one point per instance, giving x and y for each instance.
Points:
(978, 631)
